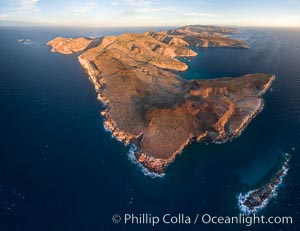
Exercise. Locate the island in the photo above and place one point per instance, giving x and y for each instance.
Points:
(254, 200)
(24, 41)
(149, 106)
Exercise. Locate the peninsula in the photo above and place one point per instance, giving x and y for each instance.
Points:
(151, 107)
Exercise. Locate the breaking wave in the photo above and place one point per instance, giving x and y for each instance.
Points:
(243, 197)
(132, 158)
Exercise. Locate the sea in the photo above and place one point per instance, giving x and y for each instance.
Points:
(61, 171)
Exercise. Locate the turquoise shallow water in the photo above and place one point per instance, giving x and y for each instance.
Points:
(60, 170)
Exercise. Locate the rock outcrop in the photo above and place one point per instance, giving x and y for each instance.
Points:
(69, 45)
(153, 108)
(252, 201)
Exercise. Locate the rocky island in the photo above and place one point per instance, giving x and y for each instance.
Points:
(252, 201)
(24, 41)
(150, 107)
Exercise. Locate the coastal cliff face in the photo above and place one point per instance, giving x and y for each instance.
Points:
(151, 107)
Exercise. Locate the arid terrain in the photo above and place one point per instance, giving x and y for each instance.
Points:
(151, 107)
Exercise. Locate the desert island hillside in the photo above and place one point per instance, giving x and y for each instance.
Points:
(149, 106)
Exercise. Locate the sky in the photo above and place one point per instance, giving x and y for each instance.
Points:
(141, 13)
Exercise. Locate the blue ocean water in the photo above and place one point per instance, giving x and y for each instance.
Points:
(60, 170)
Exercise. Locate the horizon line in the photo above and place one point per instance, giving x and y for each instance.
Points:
(146, 26)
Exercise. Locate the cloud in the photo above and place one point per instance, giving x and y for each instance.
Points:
(3, 16)
(297, 2)
(82, 8)
(201, 15)
(135, 3)
(24, 5)
(290, 20)
(151, 6)
(150, 9)
(141, 6)
(174, 11)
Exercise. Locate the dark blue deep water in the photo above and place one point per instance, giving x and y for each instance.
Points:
(60, 171)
